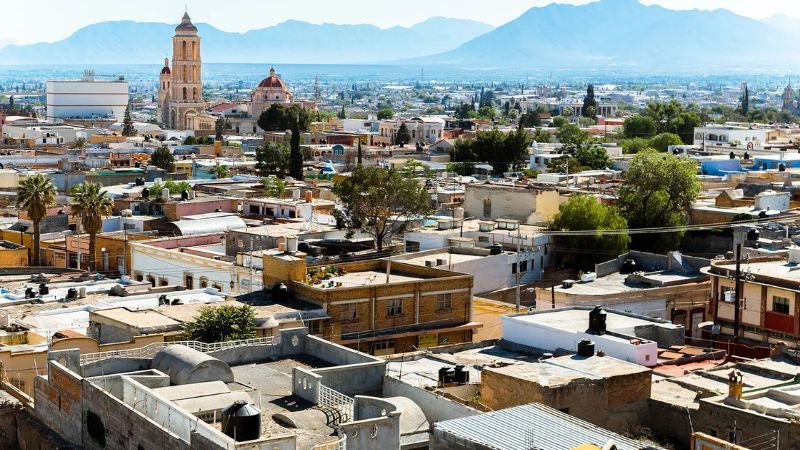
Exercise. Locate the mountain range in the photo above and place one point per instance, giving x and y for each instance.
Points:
(606, 33)
(127, 42)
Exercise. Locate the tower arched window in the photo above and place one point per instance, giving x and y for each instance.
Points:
(194, 93)
(185, 74)
(194, 74)
(194, 50)
(184, 93)
(183, 49)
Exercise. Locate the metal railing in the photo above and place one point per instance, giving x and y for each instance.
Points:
(340, 444)
(149, 350)
(336, 402)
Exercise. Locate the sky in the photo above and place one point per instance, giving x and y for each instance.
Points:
(32, 21)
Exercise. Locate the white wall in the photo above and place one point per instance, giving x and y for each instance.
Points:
(516, 329)
(86, 99)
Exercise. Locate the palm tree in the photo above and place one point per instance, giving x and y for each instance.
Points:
(91, 205)
(35, 194)
(219, 171)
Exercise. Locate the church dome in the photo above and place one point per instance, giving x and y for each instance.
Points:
(272, 81)
(166, 70)
(186, 24)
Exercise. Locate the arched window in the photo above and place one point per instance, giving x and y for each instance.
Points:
(183, 49)
(184, 93)
(194, 93)
(185, 73)
(163, 85)
(194, 50)
(194, 74)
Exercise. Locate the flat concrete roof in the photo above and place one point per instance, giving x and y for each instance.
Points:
(572, 319)
(614, 283)
(372, 278)
(775, 269)
(138, 319)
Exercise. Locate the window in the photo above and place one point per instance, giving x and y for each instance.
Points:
(523, 266)
(254, 209)
(383, 347)
(152, 280)
(487, 207)
(412, 246)
(315, 327)
(514, 268)
(484, 239)
(780, 304)
(188, 281)
(203, 282)
(217, 286)
(349, 312)
(163, 282)
(444, 302)
(138, 276)
(395, 307)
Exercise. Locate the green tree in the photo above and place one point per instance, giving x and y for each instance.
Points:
(190, 140)
(585, 213)
(273, 186)
(90, 204)
(279, 117)
(461, 168)
(272, 159)
(643, 127)
(542, 136)
(589, 103)
(359, 154)
(385, 113)
(223, 323)
(128, 130)
(403, 136)
(634, 145)
(295, 156)
(560, 121)
(530, 119)
(381, 202)
(219, 128)
(342, 114)
(487, 112)
(567, 112)
(658, 191)
(163, 159)
(661, 142)
(35, 195)
(174, 187)
(745, 100)
(219, 171)
(672, 117)
(571, 134)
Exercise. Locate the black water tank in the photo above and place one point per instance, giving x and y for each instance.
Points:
(586, 348)
(629, 266)
(184, 195)
(732, 155)
(597, 320)
(753, 234)
(146, 193)
(280, 292)
(43, 289)
(746, 155)
(72, 294)
(241, 421)
(781, 167)
(29, 293)
(495, 249)
(446, 375)
(461, 376)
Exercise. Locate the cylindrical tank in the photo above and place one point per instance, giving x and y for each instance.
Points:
(43, 289)
(184, 195)
(165, 194)
(241, 421)
(586, 348)
(307, 196)
(146, 193)
(495, 249)
(291, 244)
(295, 194)
(597, 320)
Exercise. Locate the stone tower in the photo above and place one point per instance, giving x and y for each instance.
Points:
(164, 89)
(186, 96)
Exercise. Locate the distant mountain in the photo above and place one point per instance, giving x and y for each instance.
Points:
(783, 22)
(126, 42)
(620, 33)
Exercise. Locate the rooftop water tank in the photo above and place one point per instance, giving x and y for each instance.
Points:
(241, 421)
(495, 249)
(629, 266)
(597, 320)
(586, 348)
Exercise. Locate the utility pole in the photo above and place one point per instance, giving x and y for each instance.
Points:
(737, 294)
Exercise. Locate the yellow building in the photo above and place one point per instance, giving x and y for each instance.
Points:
(13, 255)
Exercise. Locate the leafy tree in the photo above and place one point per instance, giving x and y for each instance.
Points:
(342, 114)
(502, 151)
(272, 159)
(278, 117)
(567, 112)
(658, 191)
(381, 201)
(564, 164)
(190, 140)
(403, 136)
(273, 186)
(90, 203)
(643, 127)
(487, 112)
(35, 194)
(542, 136)
(530, 119)
(174, 187)
(163, 159)
(219, 128)
(461, 168)
(80, 144)
(560, 121)
(465, 111)
(385, 113)
(585, 213)
(589, 103)
(128, 130)
(295, 156)
(634, 145)
(219, 170)
(672, 117)
(223, 323)
(592, 156)
(662, 141)
(571, 134)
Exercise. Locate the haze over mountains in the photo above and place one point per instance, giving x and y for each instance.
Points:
(610, 33)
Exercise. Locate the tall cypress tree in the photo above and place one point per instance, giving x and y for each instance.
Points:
(359, 151)
(745, 100)
(295, 156)
(589, 103)
(128, 129)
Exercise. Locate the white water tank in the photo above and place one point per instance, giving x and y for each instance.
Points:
(291, 244)
(794, 254)
(458, 213)
(295, 194)
(165, 194)
(588, 277)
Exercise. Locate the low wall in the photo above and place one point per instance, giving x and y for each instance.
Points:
(435, 407)
(334, 353)
(115, 365)
(354, 379)
(305, 384)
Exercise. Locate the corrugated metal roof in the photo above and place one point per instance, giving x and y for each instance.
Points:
(209, 225)
(534, 426)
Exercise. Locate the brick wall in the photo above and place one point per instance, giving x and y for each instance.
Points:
(58, 401)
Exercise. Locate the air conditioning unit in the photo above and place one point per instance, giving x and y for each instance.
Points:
(730, 297)
(430, 263)
(441, 261)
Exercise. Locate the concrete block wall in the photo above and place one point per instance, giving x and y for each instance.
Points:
(435, 407)
(305, 384)
(369, 434)
(354, 379)
(58, 400)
